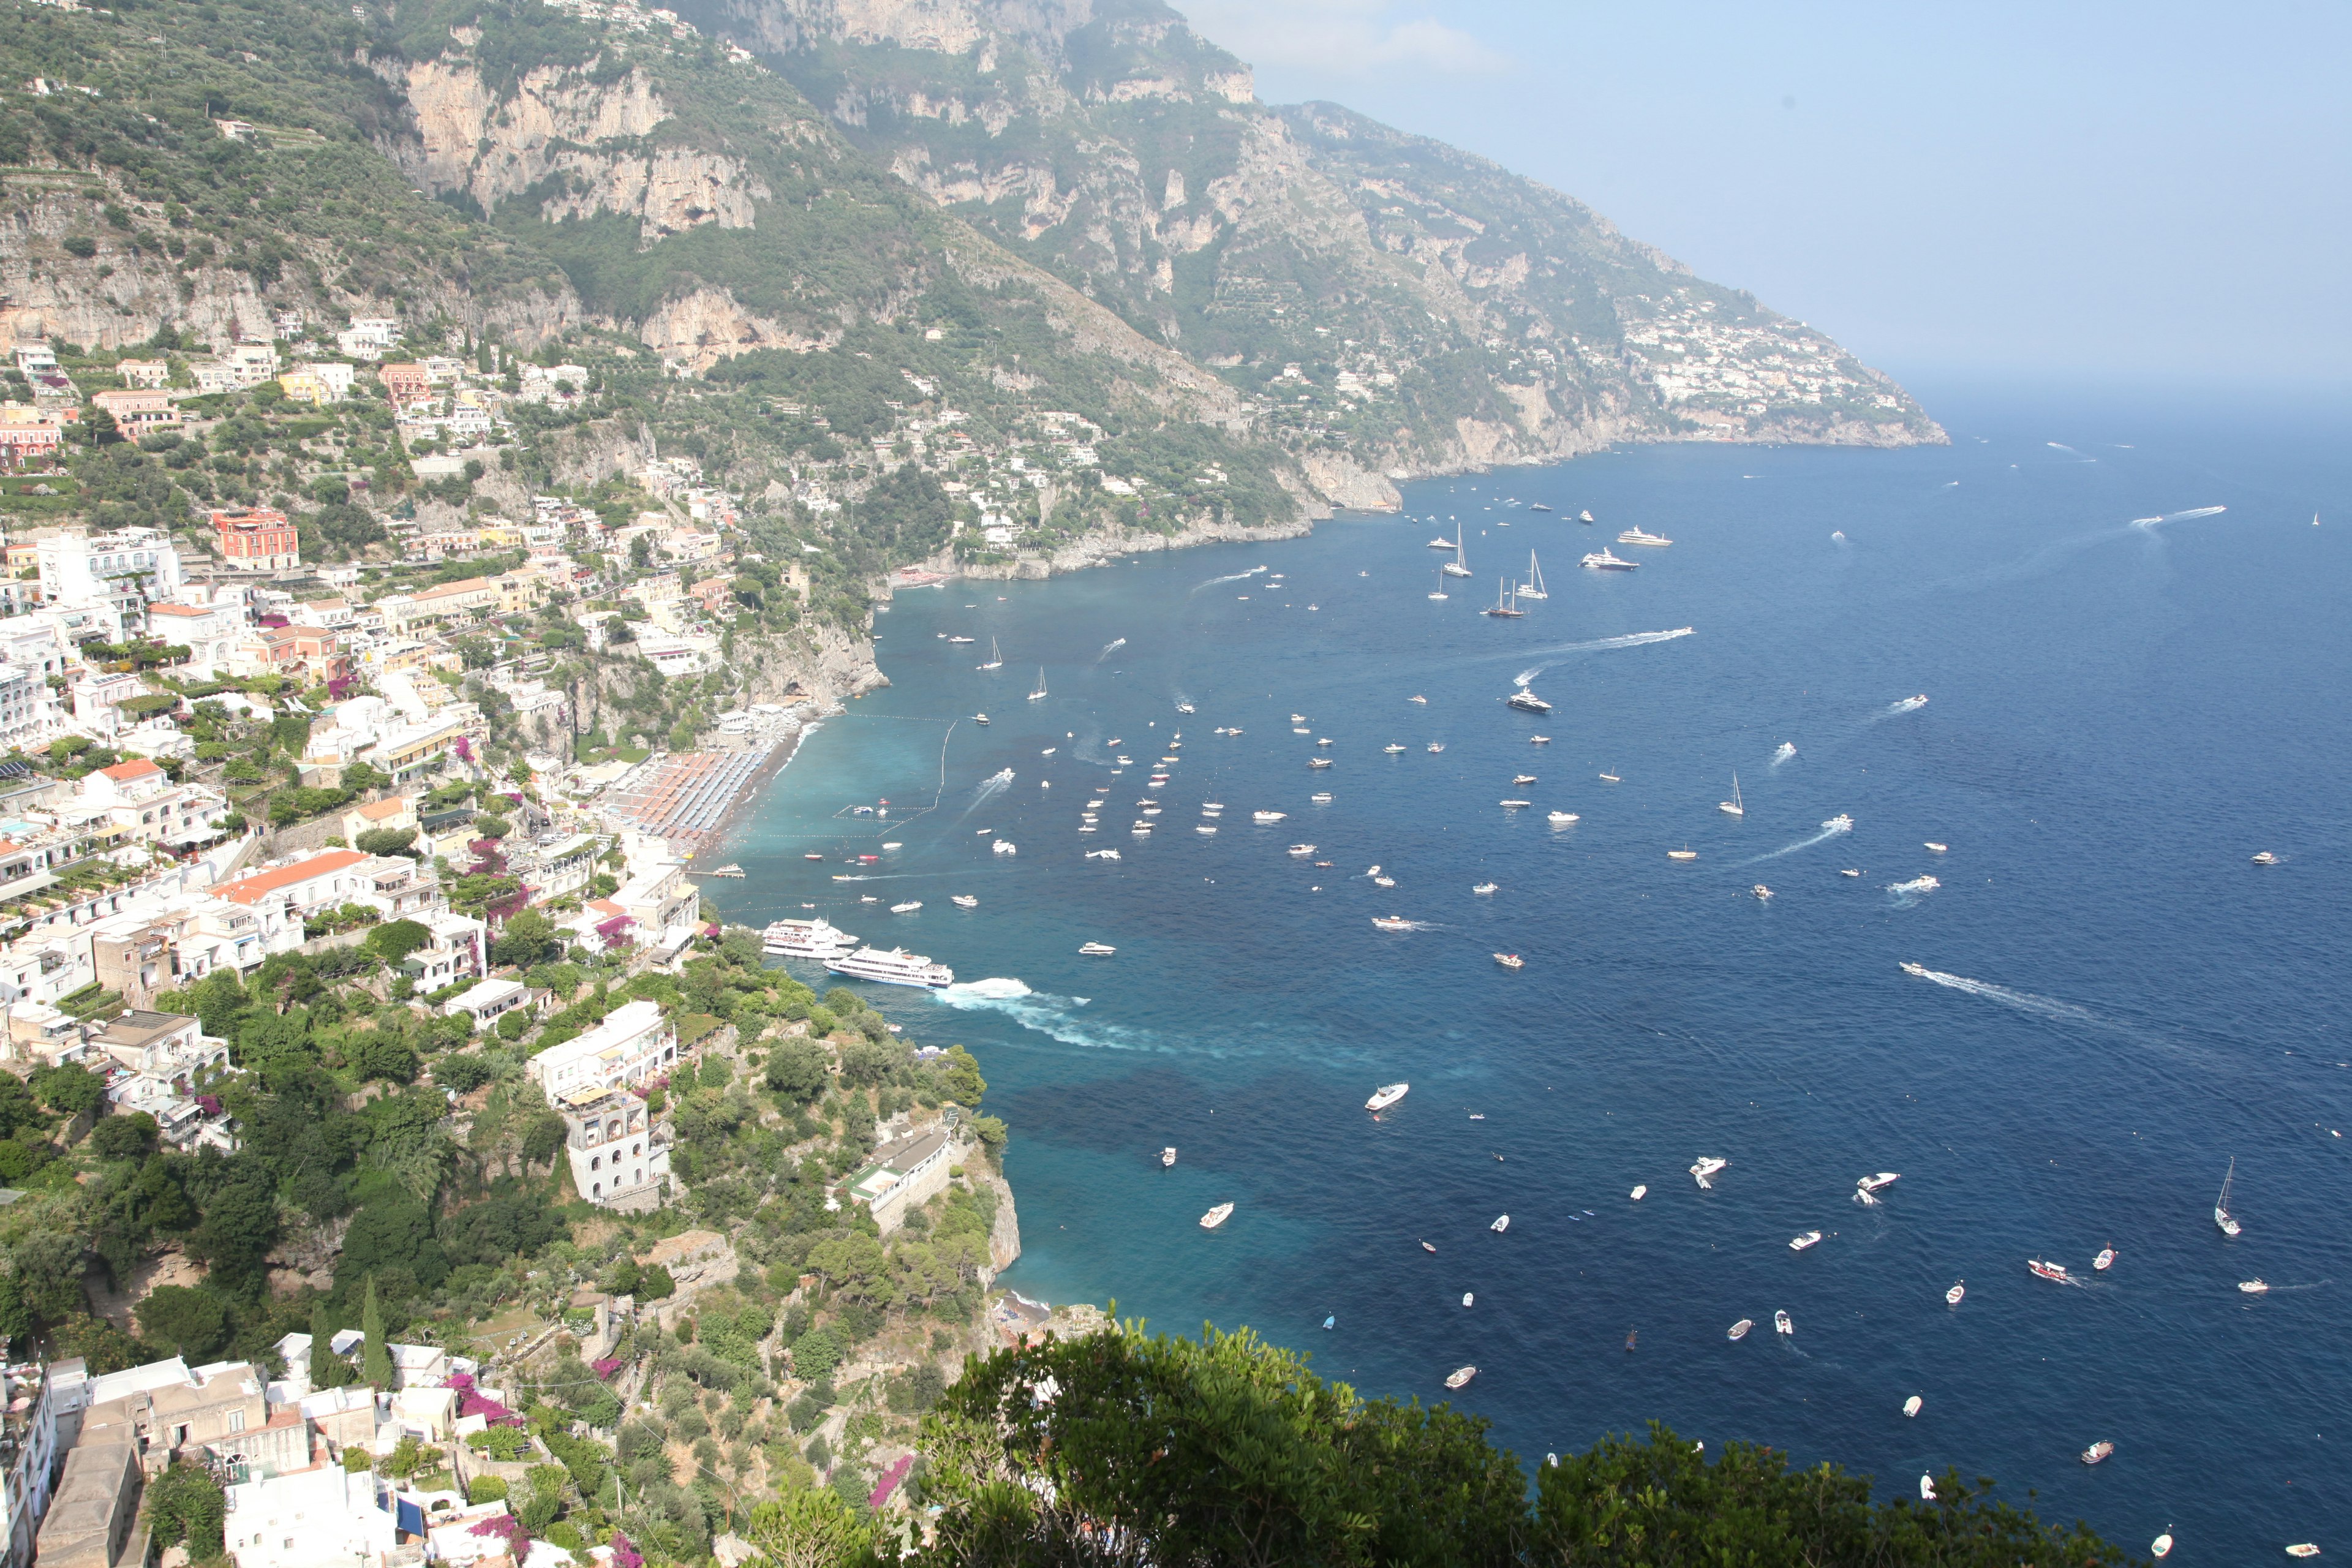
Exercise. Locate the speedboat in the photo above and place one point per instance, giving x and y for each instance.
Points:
(1781, 1323)
(1952, 1297)
(2055, 1272)
(1811, 1238)
(1739, 1330)
(2266, 858)
(1216, 1217)
(1911, 1405)
(1935, 848)
(1388, 1094)
(1510, 961)
(908, 908)
(964, 901)
(1909, 968)
(1384, 881)
(2253, 1287)
(1562, 818)
(1685, 853)
(1483, 888)
(1168, 1156)
(812, 855)
(1841, 822)
(2104, 1260)
(1266, 818)
(1460, 1375)
(1392, 748)
(980, 718)
(1502, 1222)
(1390, 923)
(1102, 853)
(1096, 950)
(2303, 1548)
(1788, 749)
(2097, 1452)
(1761, 892)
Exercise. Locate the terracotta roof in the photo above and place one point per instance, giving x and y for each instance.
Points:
(136, 768)
(245, 889)
(383, 808)
(179, 610)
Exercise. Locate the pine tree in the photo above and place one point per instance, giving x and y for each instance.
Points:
(376, 1364)
(328, 1370)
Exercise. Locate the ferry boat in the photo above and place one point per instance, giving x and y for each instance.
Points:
(1096, 950)
(2097, 1452)
(1390, 923)
(1526, 702)
(1502, 1222)
(1168, 1156)
(1266, 818)
(1388, 1094)
(1463, 1375)
(1510, 961)
(1605, 560)
(908, 908)
(1952, 1297)
(806, 939)
(964, 901)
(1781, 1323)
(895, 967)
(1708, 1165)
(2266, 858)
(1216, 1217)
(1809, 1238)
(2054, 1272)
(1636, 536)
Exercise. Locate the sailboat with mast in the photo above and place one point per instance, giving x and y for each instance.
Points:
(1441, 588)
(1533, 588)
(1505, 606)
(1039, 695)
(996, 659)
(1455, 568)
(1735, 806)
(2221, 1215)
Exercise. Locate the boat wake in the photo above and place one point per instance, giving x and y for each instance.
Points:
(2070, 451)
(1055, 1017)
(2048, 1008)
(1229, 577)
(1598, 645)
(1836, 827)
(1908, 894)
(1110, 648)
(2145, 524)
(1896, 709)
(989, 788)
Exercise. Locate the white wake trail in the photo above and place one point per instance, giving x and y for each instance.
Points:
(1835, 827)
(2147, 524)
(989, 788)
(1896, 709)
(2023, 1001)
(1598, 645)
(1052, 1016)
(1110, 648)
(1230, 577)
(1908, 894)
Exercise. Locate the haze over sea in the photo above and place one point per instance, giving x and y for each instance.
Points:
(2121, 713)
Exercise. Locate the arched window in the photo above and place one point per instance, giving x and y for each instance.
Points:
(596, 1189)
(595, 1161)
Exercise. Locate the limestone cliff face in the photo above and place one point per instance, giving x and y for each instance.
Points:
(709, 324)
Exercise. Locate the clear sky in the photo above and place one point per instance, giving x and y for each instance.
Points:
(2151, 190)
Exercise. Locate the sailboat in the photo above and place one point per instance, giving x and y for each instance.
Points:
(1441, 589)
(996, 659)
(1039, 695)
(1734, 806)
(1505, 607)
(1533, 588)
(1455, 568)
(2221, 1215)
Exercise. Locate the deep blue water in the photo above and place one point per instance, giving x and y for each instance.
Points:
(2119, 717)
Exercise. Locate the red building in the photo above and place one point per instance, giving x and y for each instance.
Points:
(405, 382)
(257, 539)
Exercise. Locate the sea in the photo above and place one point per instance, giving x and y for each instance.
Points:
(2063, 679)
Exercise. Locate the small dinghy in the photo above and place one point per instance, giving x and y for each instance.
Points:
(1911, 1405)
(1502, 1222)
(1460, 1375)
(1781, 1323)
(1468, 1298)
(1952, 1297)
(1641, 1192)
(2097, 1453)
(1738, 1330)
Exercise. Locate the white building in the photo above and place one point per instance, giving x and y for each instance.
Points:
(75, 568)
(393, 886)
(619, 1153)
(488, 1001)
(30, 1458)
(634, 1044)
(210, 632)
(321, 1516)
(28, 714)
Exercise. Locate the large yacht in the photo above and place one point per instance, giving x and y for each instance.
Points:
(1635, 536)
(895, 967)
(807, 939)
(1605, 560)
(1526, 702)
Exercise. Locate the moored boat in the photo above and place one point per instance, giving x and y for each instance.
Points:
(2253, 1287)
(1738, 1330)
(893, 967)
(1168, 1156)
(2051, 1271)
(1216, 1217)
(2221, 1215)
(1388, 1094)
(2097, 1452)
(2266, 858)
(1390, 923)
(1096, 950)
(1510, 961)
(1605, 560)
(806, 939)
(1809, 1238)
(1460, 1375)
(2104, 1260)
(1502, 1222)
(1952, 1297)
(1911, 1405)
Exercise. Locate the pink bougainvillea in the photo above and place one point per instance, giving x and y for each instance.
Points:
(465, 749)
(612, 928)
(606, 1368)
(890, 1479)
(624, 1554)
(507, 1528)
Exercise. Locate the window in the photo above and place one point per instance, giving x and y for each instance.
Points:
(236, 1420)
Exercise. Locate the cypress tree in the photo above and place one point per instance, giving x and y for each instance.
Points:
(376, 1364)
(328, 1370)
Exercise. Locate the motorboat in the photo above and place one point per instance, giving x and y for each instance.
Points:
(1390, 923)
(1526, 702)
(1510, 961)
(2097, 1452)
(964, 901)
(1952, 1297)
(2162, 1546)
(1706, 1166)
(1884, 1179)
(1426, 1246)
(1520, 781)
(2266, 858)
(2303, 1548)
(1185, 707)
(1322, 739)
(1584, 516)
(2221, 1215)
(1809, 1238)
(1206, 830)
(1301, 850)
(1211, 807)
(1537, 506)
(1005, 847)
(1318, 762)
(1096, 950)
(1502, 1222)
(895, 967)
(1168, 1156)
(1384, 881)
(1460, 1375)
(1761, 892)
(1562, 818)
(1388, 1094)
(1102, 853)
(1685, 853)
(1417, 698)
(980, 718)
(2054, 1272)
(1514, 805)
(1468, 1298)
(1266, 818)
(2104, 1260)
(1738, 1330)
(1321, 799)
(1606, 560)
(1735, 806)
(1788, 749)
(1781, 1323)
(812, 855)
(1216, 1217)
(2253, 1287)
(1911, 1405)
(1483, 888)
(1636, 536)
(1639, 1193)
(1392, 748)
(1538, 739)
(908, 908)
(1435, 746)
(1841, 822)
(1850, 871)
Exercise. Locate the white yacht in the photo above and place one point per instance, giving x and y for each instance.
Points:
(1604, 560)
(1388, 1094)
(964, 901)
(1526, 702)
(1879, 1182)
(1096, 950)
(908, 908)
(1186, 708)
(806, 939)
(1216, 1217)
(1423, 700)
(1708, 1165)
(2253, 1287)
(1318, 762)
(1809, 1238)
(1584, 516)
(1039, 694)
(1392, 748)
(1935, 848)
(1483, 888)
(1005, 847)
(1562, 818)
(1266, 818)
(895, 967)
(1735, 806)
(1635, 536)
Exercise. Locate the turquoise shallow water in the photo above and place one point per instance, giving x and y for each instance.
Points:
(2119, 716)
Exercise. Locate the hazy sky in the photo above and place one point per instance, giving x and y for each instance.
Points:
(2152, 189)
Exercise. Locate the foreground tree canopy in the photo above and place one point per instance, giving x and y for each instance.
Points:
(1127, 1448)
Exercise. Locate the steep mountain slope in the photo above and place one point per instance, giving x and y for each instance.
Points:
(1405, 305)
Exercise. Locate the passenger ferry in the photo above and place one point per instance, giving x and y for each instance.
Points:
(893, 967)
(806, 939)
